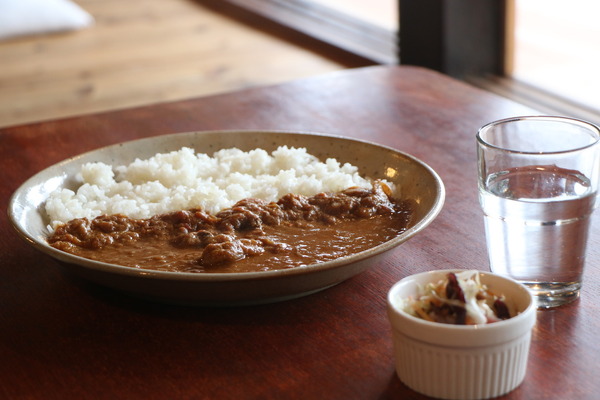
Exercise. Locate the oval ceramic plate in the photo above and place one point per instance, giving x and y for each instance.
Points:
(413, 179)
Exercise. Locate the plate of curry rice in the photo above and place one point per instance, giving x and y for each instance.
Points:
(227, 218)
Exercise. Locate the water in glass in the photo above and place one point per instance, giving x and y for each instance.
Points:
(536, 221)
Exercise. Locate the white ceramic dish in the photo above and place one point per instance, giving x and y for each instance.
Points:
(413, 178)
(462, 361)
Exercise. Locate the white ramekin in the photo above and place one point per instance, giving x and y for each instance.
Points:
(462, 361)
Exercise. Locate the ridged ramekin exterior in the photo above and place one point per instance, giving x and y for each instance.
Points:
(461, 373)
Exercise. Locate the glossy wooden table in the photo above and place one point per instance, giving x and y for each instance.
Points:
(63, 338)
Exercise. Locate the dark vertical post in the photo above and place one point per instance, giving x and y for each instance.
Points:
(457, 37)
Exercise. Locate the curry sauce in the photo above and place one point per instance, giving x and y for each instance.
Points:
(253, 235)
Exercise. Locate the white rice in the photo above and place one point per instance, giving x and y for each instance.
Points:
(182, 180)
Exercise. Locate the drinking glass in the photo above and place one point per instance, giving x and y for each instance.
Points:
(538, 179)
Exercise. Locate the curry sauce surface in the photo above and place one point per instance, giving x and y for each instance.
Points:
(251, 236)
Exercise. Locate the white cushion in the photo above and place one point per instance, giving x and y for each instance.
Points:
(30, 17)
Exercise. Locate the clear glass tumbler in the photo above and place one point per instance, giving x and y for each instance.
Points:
(538, 180)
